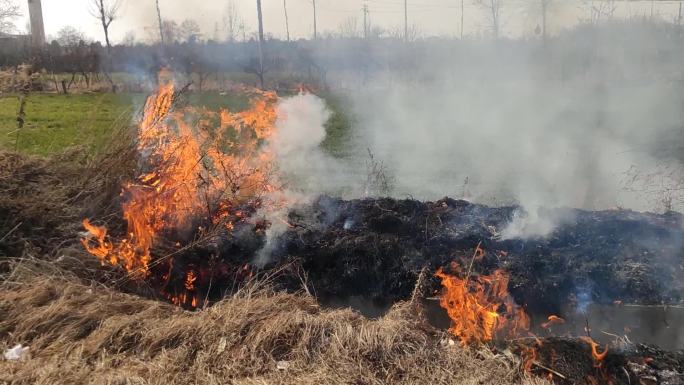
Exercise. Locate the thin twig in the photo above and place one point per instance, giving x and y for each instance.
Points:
(554, 372)
(11, 231)
(472, 260)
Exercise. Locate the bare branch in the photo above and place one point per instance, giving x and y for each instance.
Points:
(8, 11)
(493, 7)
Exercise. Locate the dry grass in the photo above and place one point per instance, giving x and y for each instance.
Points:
(81, 332)
(43, 200)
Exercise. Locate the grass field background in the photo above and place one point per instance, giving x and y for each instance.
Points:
(55, 122)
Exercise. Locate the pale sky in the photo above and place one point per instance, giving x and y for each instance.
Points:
(430, 17)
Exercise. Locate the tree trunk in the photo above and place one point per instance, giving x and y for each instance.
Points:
(105, 27)
(71, 81)
(87, 79)
(54, 80)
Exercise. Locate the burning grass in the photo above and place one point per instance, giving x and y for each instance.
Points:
(183, 222)
(82, 332)
(201, 171)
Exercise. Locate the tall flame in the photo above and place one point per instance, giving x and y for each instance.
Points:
(192, 173)
(480, 306)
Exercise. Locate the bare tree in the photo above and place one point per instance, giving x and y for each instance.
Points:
(600, 9)
(349, 28)
(231, 20)
(170, 32)
(106, 11)
(129, 39)
(8, 12)
(69, 36)
(493, 8)
(189, 30)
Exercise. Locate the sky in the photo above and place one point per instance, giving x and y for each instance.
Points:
(428, 17)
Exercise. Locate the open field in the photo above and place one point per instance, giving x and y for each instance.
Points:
(55, 122)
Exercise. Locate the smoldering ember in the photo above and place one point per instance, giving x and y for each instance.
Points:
(326, 192)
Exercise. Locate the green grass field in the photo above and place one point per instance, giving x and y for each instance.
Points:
(55, 122)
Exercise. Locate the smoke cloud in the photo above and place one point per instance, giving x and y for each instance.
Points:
(301, 163)
(509, 122)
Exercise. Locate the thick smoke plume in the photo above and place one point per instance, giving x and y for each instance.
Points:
(301, 163)
(511, 122)
(540, 125)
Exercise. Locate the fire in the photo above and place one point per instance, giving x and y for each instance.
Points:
(198, 169)
(552, 320)
(598, 357)
(480, 307)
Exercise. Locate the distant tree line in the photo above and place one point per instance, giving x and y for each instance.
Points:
(319, 61)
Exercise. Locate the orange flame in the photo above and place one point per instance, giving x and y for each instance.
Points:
(598, 357)
(201, 171)
(553, 320)
(480, 307)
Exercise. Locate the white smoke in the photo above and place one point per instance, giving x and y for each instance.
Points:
(300, 162)
(300, 130)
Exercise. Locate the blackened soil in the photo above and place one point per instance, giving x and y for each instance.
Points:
(375, 249)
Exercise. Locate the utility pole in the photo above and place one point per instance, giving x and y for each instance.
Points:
(161, 29)
(261, 44)
(406, 21)
(37, 25)
(544, 4)
(314, 19)
(365, 21)
(287, 22)
(679, 16)
(462, 17)
(652, 1)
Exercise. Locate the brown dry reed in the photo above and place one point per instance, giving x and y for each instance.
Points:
(87, 333)
(81, 329)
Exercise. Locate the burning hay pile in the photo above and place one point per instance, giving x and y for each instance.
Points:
(205, 224)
